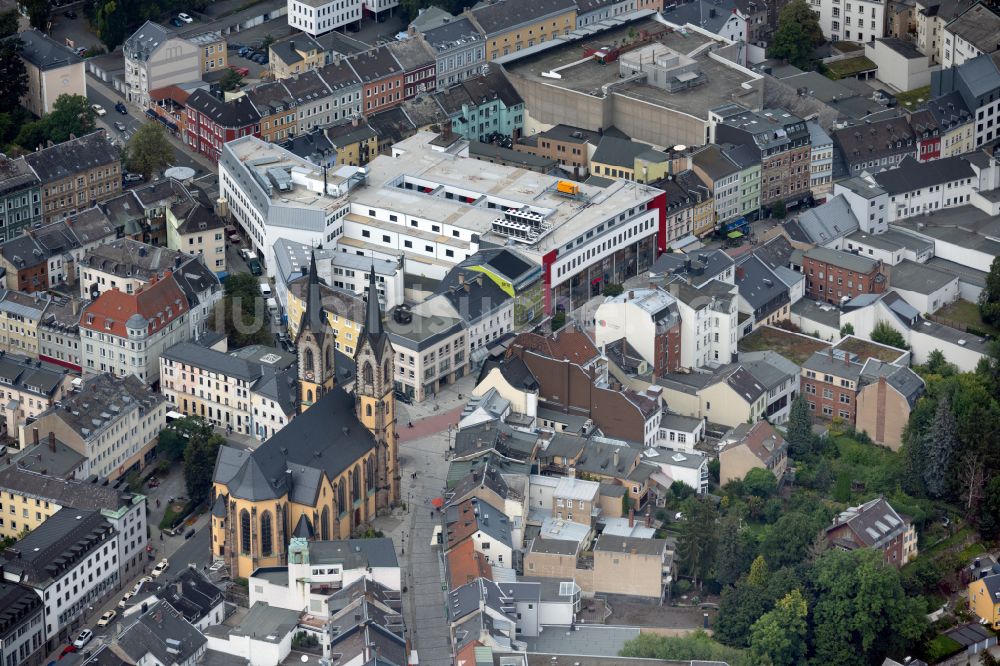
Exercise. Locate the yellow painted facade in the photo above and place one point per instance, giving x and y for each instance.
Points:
(523, 36)
(346, 329)
(983, 604)
(20, 514)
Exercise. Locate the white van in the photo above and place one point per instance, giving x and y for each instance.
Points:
(272, 306)
(265, 289)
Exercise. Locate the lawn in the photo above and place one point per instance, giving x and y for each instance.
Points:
(793, 346)
(175, 511)
(914, 98)
(843, 69)
(966, 313)
(941, 647)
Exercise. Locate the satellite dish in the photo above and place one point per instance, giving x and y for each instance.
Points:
(305, 658)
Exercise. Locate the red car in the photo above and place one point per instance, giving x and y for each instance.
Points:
(66, 650)
(242, 71)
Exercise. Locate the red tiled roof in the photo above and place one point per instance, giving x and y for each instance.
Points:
(569, 344)
(158, 303)
(172, 93)
(466, 565)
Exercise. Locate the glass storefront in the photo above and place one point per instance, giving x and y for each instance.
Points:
(615, 268)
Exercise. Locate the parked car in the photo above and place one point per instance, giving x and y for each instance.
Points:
(189, 534)
(242, 71)
(107, 618)
(255, 267)
(403, 397)
(243, 51)
(163, 565)
(133, 177)
(124, 600)
(85, 637)
(121, 108)
(176, 22)
(120, 126)
(98, 109)
(66, 650)
(185, 17)
(70, 14)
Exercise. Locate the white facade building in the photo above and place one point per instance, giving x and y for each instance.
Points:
(317, 17)
(851, 20)
(72, 562)
(709, 323)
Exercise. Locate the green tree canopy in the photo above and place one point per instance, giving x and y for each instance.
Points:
(940, 443)
(696, 646)
(861, 612)
(231, 80)
(173, 439)
(778, 638)
(885, 334)
(799, 433)
(199, 464)
(148, 150)
(242, 313)
(8, 23)
(787, 542)
(989, 298)
(696, 546)
(760, 482)
(797, 34)
(39, 13)
(13, 76)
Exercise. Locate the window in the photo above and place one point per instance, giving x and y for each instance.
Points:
(245, 531)
(266, 542)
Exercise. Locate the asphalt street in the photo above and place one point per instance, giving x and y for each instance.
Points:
(99, 94)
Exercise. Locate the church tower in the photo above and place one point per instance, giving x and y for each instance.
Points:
(374, 398)
(315, 344)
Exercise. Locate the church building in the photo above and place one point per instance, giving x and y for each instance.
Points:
(328, 472)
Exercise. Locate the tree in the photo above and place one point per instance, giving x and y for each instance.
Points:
(733, 553)
(173, 439)
(696, 546)
(71, 115)
(797, 34)
(787, 542)
(697, 646)
(558, 320)
(199, 464)
(13, 76)
(760, 482)
(847, 329)
(612, 289)
(8, 23)
(939, 446)
(989, 510)
(861, 611)
(937, 364)
(989, 298)
(39, 13)
(231, 80)
(799, 433)
(242, 313)
(885, 334)
(778, 210)
(148, 150)
(265, 44)
(778, 638)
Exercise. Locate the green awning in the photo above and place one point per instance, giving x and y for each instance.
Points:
(734, 234)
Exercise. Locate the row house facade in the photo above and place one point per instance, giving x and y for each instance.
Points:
(76, 174)
(420, 64)
(277, 110)
(212, 122)
(382, 79)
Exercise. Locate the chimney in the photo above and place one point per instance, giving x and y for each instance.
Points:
(631, 518)
(740, 273)
(649, 515)
(75, 305)
(461, 277)
(847, 359)
(881, 382)
(291, 44)
(34, 435)
(614, 458)
(52, 440)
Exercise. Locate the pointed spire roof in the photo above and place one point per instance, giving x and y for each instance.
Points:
(373, 316)
(304, 528)
(312, 317)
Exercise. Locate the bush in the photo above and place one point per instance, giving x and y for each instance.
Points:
(612, 289)
(682, 587)
(558, 320)
(940, 647)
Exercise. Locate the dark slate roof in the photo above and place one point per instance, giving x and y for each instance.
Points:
(58, 544)
(303, 529)
(392, 125)
(412, 54)
(214, 361)
(67, 493)
(514, 370)
(15, 176)
(71, 157)
(908, 383)
(327, 437)
(164, 633)
(479, 90)
(875, 140)
(447, 36)
(348, 133)
(18, 603)
(500, 15)
(980, 26)
(287, 49)
(192, 594)
(912, 175)
(949, 110)
(875, 522)
(306, 87)
(271, 98)
(758, 285)
(375, 64)
(146, 40)
(339, 74)
(44, 52)
(472, 294)
(239, 112)
(619, 152)
(712, 161)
